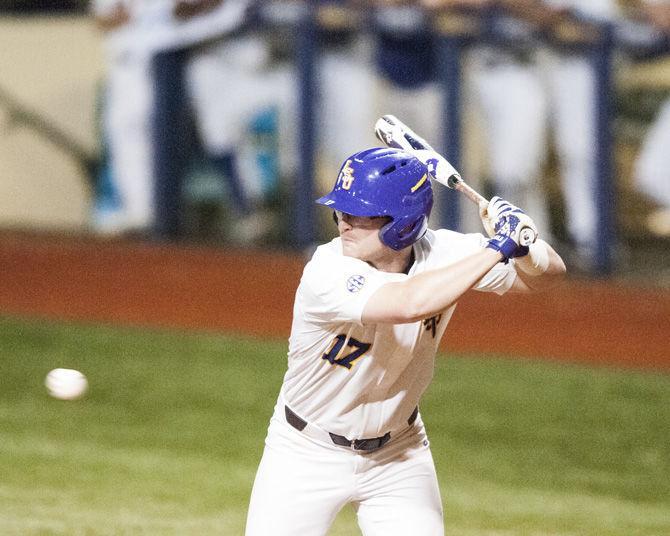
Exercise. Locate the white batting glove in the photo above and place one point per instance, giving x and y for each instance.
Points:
(437, 165)
(487, 221)
(495, 217)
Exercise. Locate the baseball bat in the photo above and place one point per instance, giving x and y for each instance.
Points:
(394, 133)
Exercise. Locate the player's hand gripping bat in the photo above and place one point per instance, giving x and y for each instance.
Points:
(394, 133)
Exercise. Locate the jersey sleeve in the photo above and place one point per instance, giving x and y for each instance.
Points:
(335, 288)
(452, 246)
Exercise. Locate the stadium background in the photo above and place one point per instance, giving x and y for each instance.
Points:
(183, 347)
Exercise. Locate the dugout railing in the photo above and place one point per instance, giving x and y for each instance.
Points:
(455, 31)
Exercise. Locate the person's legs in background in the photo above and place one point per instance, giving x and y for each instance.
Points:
(127, 108)
(571, 83)
(514, 119)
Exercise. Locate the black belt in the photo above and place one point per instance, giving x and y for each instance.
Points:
(357, 444)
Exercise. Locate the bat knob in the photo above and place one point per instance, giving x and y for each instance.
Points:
(452, 181)
(527, 236)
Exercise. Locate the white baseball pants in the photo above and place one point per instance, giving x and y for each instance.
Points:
(303, 483)
(128, 108)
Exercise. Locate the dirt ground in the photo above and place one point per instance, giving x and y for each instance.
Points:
(251, 292)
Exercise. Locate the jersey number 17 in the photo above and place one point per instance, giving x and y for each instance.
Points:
(333, 355)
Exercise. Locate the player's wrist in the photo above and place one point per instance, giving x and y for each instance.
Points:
(536, 262)
(504, 245)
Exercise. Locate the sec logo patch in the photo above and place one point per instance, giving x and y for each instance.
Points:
(355, 283)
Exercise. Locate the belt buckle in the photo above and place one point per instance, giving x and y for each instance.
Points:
(356, 444)
(378, 442)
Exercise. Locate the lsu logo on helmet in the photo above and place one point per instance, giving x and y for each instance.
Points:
(346, 177)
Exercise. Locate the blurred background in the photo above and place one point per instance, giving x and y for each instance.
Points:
(219, 122)
(159, 161)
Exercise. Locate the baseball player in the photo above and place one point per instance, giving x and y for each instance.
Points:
(525, 89)
(344, 59)
(150, 45)
(370, 310)
(126, 121)
(571, 85)
(513, 105)
(406, 63)
(651, 167)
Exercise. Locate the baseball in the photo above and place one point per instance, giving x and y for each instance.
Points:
(66, 384)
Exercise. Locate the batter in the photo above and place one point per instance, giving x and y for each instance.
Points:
(370, 310)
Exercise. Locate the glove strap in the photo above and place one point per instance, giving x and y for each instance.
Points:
(504, 244)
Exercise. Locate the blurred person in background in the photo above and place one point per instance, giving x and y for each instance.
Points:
(652, 168)
(570, 78)
(406, 64)
(513, 105)
(523, 88)
(158, 53)
(126, 129)
(241, 92)
(407, 61)
(346, 82)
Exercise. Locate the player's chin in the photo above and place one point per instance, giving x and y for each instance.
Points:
(350, 248)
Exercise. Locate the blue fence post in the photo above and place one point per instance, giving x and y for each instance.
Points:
(303, 224)
(449, 72)
(452, 31)
(604, 176)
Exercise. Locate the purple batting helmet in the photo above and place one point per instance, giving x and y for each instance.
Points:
(385, 182)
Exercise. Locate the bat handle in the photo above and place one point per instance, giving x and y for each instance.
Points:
(527, 235)
(457, 183)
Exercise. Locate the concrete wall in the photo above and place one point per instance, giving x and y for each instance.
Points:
(51, 66)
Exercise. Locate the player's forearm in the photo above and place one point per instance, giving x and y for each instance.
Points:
(428, 293)
(539, 271)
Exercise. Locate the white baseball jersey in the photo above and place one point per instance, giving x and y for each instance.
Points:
(362, 381)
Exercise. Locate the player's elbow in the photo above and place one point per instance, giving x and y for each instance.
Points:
(559, 269)
(555, 272)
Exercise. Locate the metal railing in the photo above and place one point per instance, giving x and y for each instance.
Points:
(455, 32)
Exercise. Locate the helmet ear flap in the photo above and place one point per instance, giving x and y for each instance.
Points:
(400, 233)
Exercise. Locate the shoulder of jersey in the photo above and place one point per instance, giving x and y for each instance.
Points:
(327, 252)
(330, 254)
